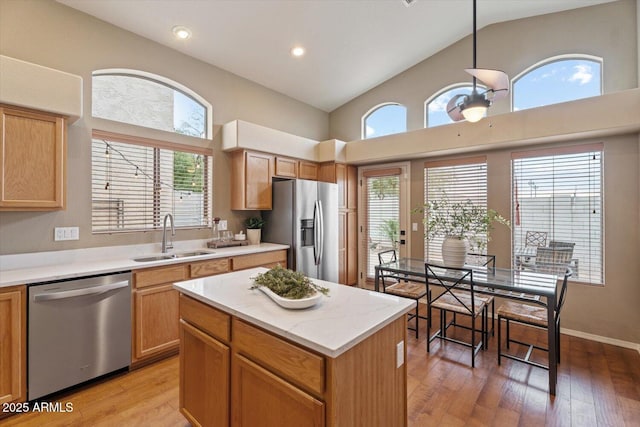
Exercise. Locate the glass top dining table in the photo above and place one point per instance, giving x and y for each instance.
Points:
(508, 283)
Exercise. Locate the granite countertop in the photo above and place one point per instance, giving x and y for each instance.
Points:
(334, 325)
(37, 267)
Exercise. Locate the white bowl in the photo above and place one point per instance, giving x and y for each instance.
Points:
(240, 236)
(293, 304)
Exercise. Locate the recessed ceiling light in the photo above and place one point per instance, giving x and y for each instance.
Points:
(181, 32)
(297, 51)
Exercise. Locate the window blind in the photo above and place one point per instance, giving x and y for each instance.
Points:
(135, 186)
(560, 193)
(458, 181)
(383, 215)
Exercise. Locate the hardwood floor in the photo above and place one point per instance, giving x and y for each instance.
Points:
(598, 385)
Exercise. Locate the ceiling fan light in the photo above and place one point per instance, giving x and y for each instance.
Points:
(474, 114)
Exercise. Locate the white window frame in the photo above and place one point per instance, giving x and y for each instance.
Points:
(170, 84)
(552, 59)
(560, 151)
(363, 121)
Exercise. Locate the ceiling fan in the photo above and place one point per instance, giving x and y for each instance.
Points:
(472, 107)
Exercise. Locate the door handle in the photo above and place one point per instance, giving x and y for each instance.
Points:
(95, 290)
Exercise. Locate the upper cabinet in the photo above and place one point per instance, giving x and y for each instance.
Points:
(251, 174)
(307, 170)
(286, 167)
(32, 160)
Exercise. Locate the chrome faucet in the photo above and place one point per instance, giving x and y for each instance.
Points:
(164, 233)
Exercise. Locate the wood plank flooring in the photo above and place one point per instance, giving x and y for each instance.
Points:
(598, 385)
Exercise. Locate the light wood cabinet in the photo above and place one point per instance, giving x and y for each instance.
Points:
(286, 167)
(347, 179)
(263, 398)
(251, 174)
(278, 383)
(32, 160)
(307, 170)
(263, 259)
(204, 378)
(13, 337)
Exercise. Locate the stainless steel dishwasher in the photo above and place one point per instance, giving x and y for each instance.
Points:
(79, 329)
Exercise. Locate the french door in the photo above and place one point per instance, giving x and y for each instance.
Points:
(384, 214)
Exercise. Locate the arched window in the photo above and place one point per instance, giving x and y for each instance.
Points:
(558, 79)
(384, 119)
(152, 101)
(436, 107)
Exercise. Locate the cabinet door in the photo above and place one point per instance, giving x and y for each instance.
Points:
(32, 160)
(156, 321)
(342, 247)
(13, 356)
(258, 181)
(308, 170)
(352, 248)
(204, 378)
(352, 187)
(261, 398)
(287, 168)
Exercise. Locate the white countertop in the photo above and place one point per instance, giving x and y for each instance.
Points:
(37, 267)
(334, 325)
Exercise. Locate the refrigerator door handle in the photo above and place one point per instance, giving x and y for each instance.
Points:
(321, 232)
(316, 233)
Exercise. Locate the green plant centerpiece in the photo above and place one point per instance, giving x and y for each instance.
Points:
(288, 283)
(464, 225)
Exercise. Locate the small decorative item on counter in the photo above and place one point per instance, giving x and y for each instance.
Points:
(254, 229)
(215, 234)
(288, 283)
(240, 236)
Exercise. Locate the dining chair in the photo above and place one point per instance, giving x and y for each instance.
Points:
(532, 315)
(401, 286)
(574, 261)
(451, 280)
(488, 261)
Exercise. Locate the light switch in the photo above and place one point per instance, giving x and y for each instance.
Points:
(66, 233)
(222, 225)
(414, 226)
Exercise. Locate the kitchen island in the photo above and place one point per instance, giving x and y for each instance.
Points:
(246, 361)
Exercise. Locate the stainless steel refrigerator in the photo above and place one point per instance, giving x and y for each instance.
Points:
(304, 216)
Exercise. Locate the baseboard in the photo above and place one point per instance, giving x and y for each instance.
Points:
(604, 340)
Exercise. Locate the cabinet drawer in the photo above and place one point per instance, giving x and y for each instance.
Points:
(259, 260)
(209, 268)
(211, 320)
(294, 363)
(155, 276)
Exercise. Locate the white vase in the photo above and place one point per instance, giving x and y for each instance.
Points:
(254, 235)
(454, 251)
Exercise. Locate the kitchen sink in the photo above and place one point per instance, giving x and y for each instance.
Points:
(172, 256)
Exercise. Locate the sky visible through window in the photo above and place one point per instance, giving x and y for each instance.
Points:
(556, 82)
(386, 120)
(552, 83)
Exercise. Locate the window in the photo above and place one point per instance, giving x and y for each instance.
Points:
(385, 119)
(136, 183)
(556, 80)
(458, 181)
(436, 106)
(151, 101)
(559, 192)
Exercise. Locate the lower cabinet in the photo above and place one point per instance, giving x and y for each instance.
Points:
(204, 378)
(13, 337)
(156, 321)
(261, 398)
(233, 373)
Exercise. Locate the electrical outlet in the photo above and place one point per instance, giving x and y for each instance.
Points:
(414, 226)
(222, 225)
(66, 233)
(400, 354)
